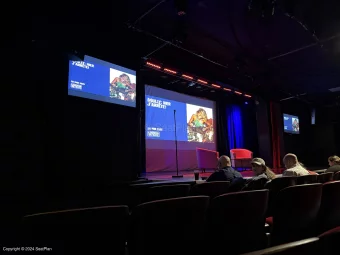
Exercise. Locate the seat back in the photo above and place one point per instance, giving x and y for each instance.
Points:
(211, 189)
(275, 186)
(306, 179)
(168, 191)
(240, 158)
(295, 213)
(336, 176)
(236, 217)
(307, 246)
(329, 242)
(329, 216)
(206, 159)
(240, 153)
(102, 229)
(256, 185)
(326, 177)
(167, 226)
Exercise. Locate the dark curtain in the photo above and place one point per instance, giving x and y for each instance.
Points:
(276, 125)
(236, 127)
(222, 137)
(249, 126)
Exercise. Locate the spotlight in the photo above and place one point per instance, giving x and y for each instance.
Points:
(153, 65)
(226, 89)
(182, 7)
(238, 93)
(216, 86)
(202, 81)
(170, 71)
(245, 102)
(187, 77)
(247, 95)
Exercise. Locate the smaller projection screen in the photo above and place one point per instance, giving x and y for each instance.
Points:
(99, 80)
(195, 125)
(291, 124)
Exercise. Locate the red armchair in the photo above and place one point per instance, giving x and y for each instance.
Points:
(206, 159)
(240, 158)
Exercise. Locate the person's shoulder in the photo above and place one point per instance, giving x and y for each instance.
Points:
(334, 168)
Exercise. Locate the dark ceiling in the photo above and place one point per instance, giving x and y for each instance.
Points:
(279, 50)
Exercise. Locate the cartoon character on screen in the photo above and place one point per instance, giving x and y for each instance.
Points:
(122, 88)
(295, 125)
(198, 126)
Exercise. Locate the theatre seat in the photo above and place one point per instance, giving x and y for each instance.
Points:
(302, 247)
(307, 179)
(211, 189)
(275, 186)
(256, 185)
(329, 215)
(336, 176)
(168, 191)
(326, 177)
(241, 158)
(206, 159)
(97, 230)
(236, 222)
(295, 213)
(167, 227)
(329, 242)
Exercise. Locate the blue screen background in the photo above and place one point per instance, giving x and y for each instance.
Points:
(96, 79)
(164, 119)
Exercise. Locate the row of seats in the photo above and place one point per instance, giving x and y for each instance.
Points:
(232, 223)
(326, 243)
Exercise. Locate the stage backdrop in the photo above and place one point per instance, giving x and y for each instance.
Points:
(195, 119)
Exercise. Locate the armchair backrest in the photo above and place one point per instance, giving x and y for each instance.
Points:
(206, 159)
(240, 153)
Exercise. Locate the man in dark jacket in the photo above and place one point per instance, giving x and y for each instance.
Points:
(225, 172)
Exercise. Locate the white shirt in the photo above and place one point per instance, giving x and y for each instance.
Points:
(295, 171)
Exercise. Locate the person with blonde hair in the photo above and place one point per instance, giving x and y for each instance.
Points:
(334, 163)
(225, 172)
(293, 167)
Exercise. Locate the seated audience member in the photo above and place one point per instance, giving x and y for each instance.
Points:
(293, 167)
(334, 163)
(225, 172)
(260, 171)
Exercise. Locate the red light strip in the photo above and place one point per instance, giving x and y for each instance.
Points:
(247, 95)
(216, 86)
(201, 81)
(226, 89)
(153, 65)
(187, 76)
(170, 71)
(238, 93)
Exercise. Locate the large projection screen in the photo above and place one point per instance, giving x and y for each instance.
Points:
(195, 119)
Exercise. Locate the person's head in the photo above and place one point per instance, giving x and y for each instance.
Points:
(223, 162)
(258, 165)
(334, 160)
(201, 114)
(290, 160)
(125, 79)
